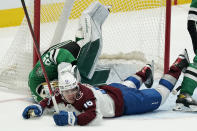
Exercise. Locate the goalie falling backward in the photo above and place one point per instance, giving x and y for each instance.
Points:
(84, 104)
(83, 52)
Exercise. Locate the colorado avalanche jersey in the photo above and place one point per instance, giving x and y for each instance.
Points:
(92, 103)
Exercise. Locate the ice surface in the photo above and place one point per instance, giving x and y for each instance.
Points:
(12, 104)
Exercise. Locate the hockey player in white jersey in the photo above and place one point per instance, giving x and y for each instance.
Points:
(84, 104)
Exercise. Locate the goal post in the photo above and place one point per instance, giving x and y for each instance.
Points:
(167, 36)
(59, 30)
(36, 28)
(136, 30)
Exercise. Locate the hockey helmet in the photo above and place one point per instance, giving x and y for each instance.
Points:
(68, 79)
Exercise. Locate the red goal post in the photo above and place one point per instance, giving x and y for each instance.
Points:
(167, 36)
(36, 27)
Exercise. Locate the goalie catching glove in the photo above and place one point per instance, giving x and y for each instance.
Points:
(32, 111)
(64, 118)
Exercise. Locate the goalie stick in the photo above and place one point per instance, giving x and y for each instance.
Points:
(39, 56)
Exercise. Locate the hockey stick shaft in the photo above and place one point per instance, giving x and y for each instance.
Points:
(36, 46)
(38, 53)
(177, 89)
(174, 91)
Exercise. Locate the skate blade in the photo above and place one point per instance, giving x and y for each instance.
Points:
(178, 107)
(181, 107)
(193, 108)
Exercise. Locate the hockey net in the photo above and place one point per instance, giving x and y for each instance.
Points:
(133, 34)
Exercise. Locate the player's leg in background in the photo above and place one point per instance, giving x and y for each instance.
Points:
(191, 26)
(184, 101)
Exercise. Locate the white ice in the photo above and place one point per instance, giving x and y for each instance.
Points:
(12, 104)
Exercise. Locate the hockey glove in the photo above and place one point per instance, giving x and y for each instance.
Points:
(64, 118)
(32, 111)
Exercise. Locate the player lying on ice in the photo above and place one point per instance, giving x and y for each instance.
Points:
(83, 104)
(83, 52)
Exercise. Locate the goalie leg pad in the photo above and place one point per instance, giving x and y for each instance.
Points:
(97, 12)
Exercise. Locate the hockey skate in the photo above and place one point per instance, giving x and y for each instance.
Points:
(148, 69)
(185, 103)
(182, 61)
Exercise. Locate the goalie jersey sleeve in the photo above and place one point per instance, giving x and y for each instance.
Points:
(61, 55)
(51, 60)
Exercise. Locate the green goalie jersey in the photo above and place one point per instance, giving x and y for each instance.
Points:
(70, 52)
(51, 59)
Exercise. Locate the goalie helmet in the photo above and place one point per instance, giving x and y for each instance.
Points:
(43, 89)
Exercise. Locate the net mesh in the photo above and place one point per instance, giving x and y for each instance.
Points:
(134, 30)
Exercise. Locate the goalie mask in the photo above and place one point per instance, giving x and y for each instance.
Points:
(43, 89)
